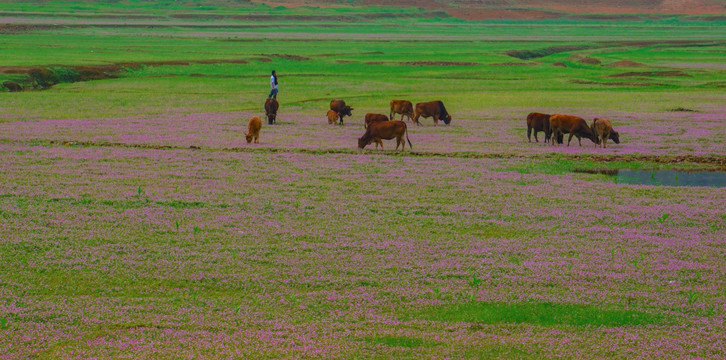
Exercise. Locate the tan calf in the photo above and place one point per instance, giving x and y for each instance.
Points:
(254, 130)
(332, 117)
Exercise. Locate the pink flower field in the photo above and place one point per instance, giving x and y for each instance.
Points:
(132, 252)
(667, 133)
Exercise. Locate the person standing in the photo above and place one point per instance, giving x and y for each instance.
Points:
(273, 85)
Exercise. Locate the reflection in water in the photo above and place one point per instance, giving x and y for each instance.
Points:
(673, 178)
(663, 177)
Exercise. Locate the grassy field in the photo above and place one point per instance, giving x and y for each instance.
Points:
(135, 222)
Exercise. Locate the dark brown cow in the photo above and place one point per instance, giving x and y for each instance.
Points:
(403, 107)
(370, 117)
(435, 109)
(12, 86)
(538, 122)
(385, 130)
(603, 130)
(574, 125)
(271, 106)
(339, 106)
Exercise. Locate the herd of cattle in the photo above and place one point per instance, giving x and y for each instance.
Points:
(555, 126)
(381, 127)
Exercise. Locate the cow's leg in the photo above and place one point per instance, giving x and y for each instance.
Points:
(605, 140)
(570, 138)
(381, 143)
(529, 134)
(579, 140)
(415, 118)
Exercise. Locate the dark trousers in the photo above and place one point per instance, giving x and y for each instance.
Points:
(273, 94)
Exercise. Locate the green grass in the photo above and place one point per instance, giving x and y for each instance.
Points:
(542, 314)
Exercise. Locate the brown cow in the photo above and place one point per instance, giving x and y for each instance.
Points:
(370, 117)
(574, 125)
(12, 86)
(538, 122)
(603, 130)
(403, 107)
(385, 130)
(254, 130)
(339, 106)
(435, 109)
(332, 117)
(271, 106)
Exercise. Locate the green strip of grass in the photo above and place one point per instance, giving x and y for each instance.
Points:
(544, 314)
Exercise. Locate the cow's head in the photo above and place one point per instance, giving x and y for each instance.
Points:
(447, 119)
(347, 111)
(362, 142)
(615, 136)
(248, 137)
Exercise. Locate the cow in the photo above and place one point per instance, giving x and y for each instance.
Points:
(254, 130)
(603, 130)
(339, 106)
(433, 109)
(332, 117)
(271, 106)
(12, 86)
(538, 122)
(403, 107)
(370, 117)
(385, 130)
(574, 125)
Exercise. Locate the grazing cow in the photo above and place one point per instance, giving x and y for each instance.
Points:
(435, 109)
(403, 107)
(603, 130)
(254, 130)
(12, 86)
(271, 106)
(385, 130)
(370, 117)
(339, 106)
(332, 117)
(538, 122)
(574, 125)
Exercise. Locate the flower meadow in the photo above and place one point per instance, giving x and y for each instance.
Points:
(493, 132)
(140, 253)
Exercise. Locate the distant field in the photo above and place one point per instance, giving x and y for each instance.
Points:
(137, 223)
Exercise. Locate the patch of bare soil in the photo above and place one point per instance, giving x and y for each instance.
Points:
(538, 53)
(559, 63)
(350, 54)
(22, 28)
(585, 60)
(617, 83)
(514, 64)
(625, 63)
(438, 63)
(287, 56)
(473, 14)
(673, 73)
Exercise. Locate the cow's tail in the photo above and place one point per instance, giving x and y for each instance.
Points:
(409, 141)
